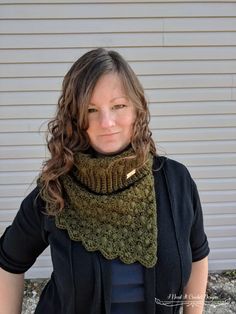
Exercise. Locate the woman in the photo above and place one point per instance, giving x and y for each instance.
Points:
(124, 224)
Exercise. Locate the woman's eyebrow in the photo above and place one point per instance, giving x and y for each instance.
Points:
(124, 97)
(119, 97)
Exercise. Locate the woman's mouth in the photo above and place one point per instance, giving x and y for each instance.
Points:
(109, 134)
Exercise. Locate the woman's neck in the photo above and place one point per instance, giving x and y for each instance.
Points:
(97, 154)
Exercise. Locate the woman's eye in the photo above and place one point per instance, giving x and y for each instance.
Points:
(90, 110)
(119, 106)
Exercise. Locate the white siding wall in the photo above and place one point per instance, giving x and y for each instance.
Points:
(185, 56)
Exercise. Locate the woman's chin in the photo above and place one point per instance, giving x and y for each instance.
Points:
(111, 150)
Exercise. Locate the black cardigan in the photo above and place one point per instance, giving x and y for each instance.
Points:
(81, 281)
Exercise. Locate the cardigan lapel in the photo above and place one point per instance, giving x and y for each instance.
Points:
(172, 185)
(149, 289)
(106, 283)
(150, 273)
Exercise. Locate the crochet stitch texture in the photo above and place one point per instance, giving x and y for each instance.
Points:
(108, 212)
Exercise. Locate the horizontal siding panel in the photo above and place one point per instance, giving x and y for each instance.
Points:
(34, 84)
(115, 10)
(221, 231)
(196, 121)
(148, 82)
(224, 184)
(12, 203)
(59, 26)
(195, 94)
(75, 26)
(34, 70)
(205, 24)
(213, 172)
(29, 98)
(223, 252)
(141, 68)
(27, 112)
(117, 40)
(218, 196)
(15, 190)
(203, 107)
(216, 184)
(24, 125)
(219, 208)
(221, 265)
(188, 147)
(200, 39)
(195, 134)
(218, 220)
(48, 55)
(98, 1)
(84, 40)
(7, 215)
(206, 160)
(20, 165)
(24, 177)
(189, 80)
(218, 243)
(234, 93)
(31, 151)
(69, 55)
(12, 139)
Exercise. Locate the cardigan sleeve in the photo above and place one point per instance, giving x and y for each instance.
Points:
(24, 240)
(198, 238)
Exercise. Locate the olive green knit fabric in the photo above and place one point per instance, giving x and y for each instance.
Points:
(109, 212)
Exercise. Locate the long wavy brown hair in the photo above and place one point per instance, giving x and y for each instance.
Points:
(66, 133)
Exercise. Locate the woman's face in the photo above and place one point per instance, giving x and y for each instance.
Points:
(111, 116)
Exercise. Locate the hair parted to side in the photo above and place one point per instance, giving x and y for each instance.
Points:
(66, 133)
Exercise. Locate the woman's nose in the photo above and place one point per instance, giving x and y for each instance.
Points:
(107, 119)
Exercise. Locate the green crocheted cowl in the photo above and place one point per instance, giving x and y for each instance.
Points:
(110, 207)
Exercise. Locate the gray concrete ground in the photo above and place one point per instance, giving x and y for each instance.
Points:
(220, 297)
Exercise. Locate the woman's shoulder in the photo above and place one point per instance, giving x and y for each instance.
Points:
(170, 165)
(33, 196)
(32, 205)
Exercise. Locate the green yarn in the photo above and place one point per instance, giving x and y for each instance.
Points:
(108, 212)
